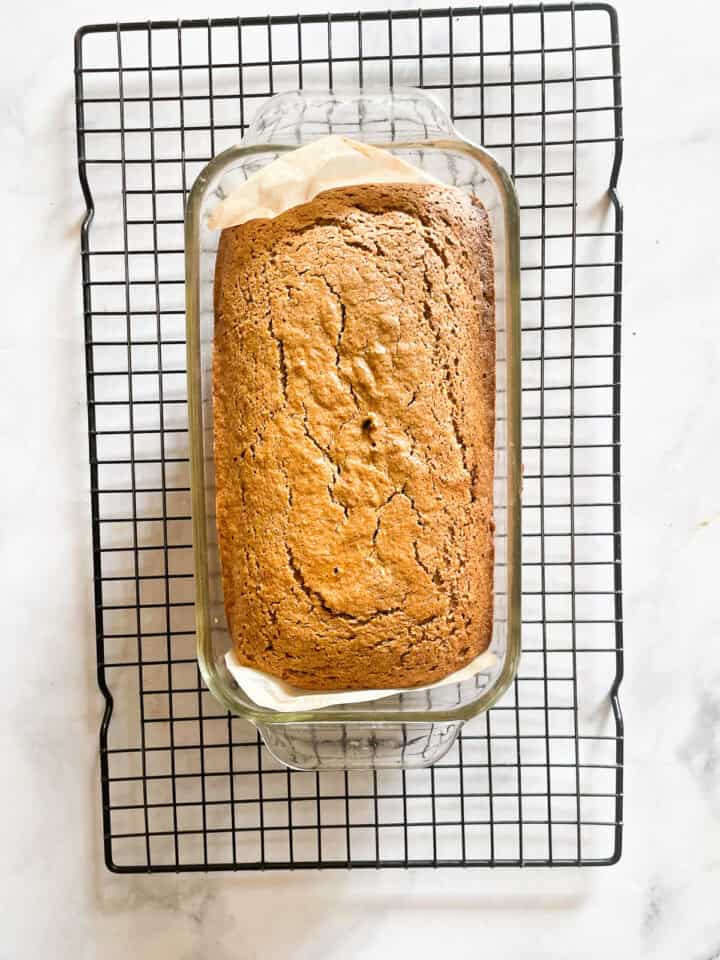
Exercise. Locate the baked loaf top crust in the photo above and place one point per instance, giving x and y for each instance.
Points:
(354, 392)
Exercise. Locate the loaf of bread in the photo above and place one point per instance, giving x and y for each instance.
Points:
(354, 393)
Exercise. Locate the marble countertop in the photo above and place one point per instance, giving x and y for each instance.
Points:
(661, 901)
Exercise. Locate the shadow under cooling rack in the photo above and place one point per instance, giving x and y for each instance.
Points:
(538, 780)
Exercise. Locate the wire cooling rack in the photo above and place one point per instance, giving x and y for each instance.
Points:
(538, 780)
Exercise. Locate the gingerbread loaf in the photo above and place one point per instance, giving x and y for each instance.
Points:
(354, 393)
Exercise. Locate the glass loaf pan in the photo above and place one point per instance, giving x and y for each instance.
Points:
(414, 728)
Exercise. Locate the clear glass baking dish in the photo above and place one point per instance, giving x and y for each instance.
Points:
(417, 727)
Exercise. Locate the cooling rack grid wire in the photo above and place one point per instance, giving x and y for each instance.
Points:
(537, 780)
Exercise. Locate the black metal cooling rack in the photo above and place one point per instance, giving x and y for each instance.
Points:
(538, 780)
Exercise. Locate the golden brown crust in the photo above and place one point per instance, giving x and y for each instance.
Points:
(354, 391)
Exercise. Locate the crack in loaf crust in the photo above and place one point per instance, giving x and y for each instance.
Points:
(354, 391)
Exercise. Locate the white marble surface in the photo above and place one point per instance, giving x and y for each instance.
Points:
(661, 901)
